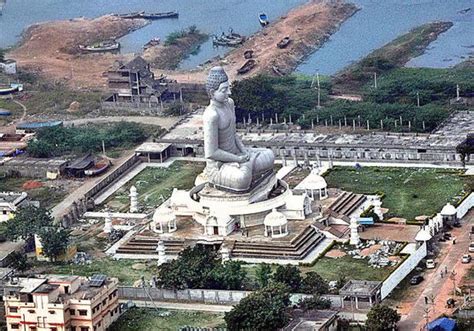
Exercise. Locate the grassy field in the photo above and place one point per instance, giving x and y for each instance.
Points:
(155, 184)
(409, 192)
(332, 269)
(139, 319)
(48, 196)
(122, 269)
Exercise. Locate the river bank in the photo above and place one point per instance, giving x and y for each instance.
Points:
(393, 55)
(51, 49)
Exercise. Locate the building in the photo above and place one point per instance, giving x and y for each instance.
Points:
(61, 303)
(9, 203)
(33, 167)
(8, 66)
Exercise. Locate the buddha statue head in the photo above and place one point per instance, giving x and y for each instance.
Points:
(217, 85)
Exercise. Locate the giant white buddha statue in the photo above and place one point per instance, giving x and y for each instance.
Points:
(230, 165)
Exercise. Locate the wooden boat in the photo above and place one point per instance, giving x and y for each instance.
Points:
(284, 42)
(157, 16)
(8, 89)
(98, 168)
(263, 19)
(222, 41)
(465, 11)
(277, 71)
(149, 16)
(152, 42)
(105, 46)
(248, 54)
(249, 65)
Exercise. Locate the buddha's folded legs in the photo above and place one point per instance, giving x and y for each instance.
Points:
(264, 160)
(234, 176)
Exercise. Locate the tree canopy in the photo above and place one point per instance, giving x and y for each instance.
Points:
(289, 275)
(313, 283)
(27, 221)
(382, 318)
(265, 309)
(54, 240)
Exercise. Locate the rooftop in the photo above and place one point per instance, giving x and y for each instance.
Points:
(150, 147)
(360, 287)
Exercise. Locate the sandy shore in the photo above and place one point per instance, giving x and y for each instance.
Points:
(51, 48)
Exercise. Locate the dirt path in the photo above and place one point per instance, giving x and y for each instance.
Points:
(164, 122)
(22, 118)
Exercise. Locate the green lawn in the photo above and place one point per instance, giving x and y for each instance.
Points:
(155, 184)
(48, 196)
(409, 192)
(122, 269)
(140, 319)
(331, 269)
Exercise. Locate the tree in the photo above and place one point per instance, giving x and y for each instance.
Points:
(265, 309)
(193, 268)
(54, 241)
(289, 275)
(382, 318)
(2, 55)
(313, 283)
(19, 261)
(263, 273)
(227, 276)
(26, 222)
(315, 302)
(466, 148)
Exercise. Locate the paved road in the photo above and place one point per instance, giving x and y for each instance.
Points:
(437, 287)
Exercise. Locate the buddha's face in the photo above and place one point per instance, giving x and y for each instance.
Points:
(222, 93)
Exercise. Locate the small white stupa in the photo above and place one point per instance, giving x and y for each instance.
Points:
(276, 224)
(133, 200)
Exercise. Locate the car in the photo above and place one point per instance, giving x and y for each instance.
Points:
(447, 235)
(471, 247)
(457, 225)
(415, 280)
(430, 264)
(466, 258)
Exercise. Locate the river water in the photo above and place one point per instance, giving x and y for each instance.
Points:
(377, 23)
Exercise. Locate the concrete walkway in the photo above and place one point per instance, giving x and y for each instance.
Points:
(437, 287)
(181, 306)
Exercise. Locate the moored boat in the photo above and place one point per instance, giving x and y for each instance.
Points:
(284, 42)
(231, 39)
(263, 19)
(105, 46)
(8, 89)
(98, 168)
(153, 42)
(248, 54)
(249, 65)
(149, 16)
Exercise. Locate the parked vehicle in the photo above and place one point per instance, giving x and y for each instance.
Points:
(415, 280)
(471, 247)
(466, 258)
(430, 264)
(457, 225)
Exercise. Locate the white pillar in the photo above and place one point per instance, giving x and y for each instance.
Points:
(133, 199)
(161, 252)
(225, 254)
(355, 240)
(108, 223)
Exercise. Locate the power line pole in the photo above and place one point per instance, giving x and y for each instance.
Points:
(319, 90)
(375, 79)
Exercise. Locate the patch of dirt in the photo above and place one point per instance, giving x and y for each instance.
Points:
(370, 250)
(335, 253)
(31, 184)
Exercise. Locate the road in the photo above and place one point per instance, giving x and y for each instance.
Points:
(438, 288)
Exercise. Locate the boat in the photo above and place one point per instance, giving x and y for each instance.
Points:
(248, 54)
(277, 71)
(4, 112)
(156, 16)
(231, 39)
(104, 46)
(98, 168)
(153, 42)
(8, 89)
(284, 42)
(249, 65)
(263, 19)
(465, 10)
(149, 16)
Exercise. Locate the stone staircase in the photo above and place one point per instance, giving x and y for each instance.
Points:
(345, 205)
(147, 246)
(297, 249)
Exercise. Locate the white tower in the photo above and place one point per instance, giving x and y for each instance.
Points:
(378, 207)
(355, 240)
(108, 223)
(160, 249)
(133, 200)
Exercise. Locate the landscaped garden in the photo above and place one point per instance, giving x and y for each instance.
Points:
(138, 319)
(155, 185)
(408, 192)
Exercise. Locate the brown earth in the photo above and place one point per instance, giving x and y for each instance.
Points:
(51, 48)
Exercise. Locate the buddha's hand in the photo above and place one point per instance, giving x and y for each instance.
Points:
(244, 158)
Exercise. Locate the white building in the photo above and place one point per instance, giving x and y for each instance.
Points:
(8, 67)
(9, 203)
